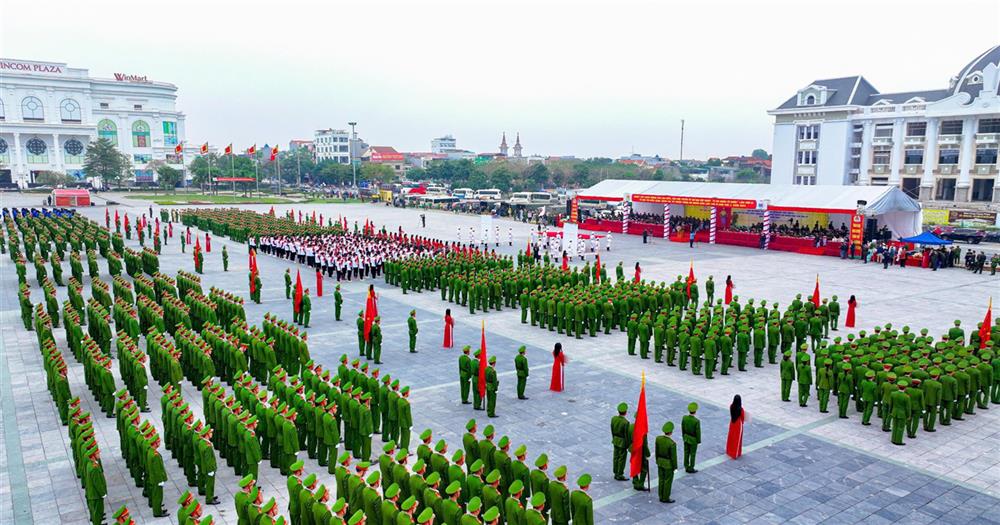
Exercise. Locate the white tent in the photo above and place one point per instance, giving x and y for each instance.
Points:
(893, 208)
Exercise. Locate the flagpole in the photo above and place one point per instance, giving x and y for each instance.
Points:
(232, 169)
(210, 171)
(256, 166)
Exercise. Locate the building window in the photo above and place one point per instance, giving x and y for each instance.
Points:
(137, 107)
(911, 187)
(104, 105)
(881, 156)
(951, 127)
(807, 132)
(3, 114)
(141, 158)
(986, 154)
(989, 125)
(883, 131)
(945, 190)
(140, 134)
(948, 156)
(807, 158)
(982, 190)
(107, 130)
(4, 151)
(858, 136)
(169, 133)
(69, 111)
(880, 181)
(37, 151)
(810, 100)
(74, 151)
(916, 129)
(805, 180)
(913, 156)
(32, 109)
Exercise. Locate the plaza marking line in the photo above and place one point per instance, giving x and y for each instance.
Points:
(12, 442)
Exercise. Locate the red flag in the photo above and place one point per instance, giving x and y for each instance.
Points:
(815, 296)
(107, 217)
(116, 216)
(529, 249)
(253, 270)
(274, 153)
(298, 292)
(179, 148)
(204, 148)
(639, 432)
(984, 331)
(197, 244)
(565, 264)
(597, 269)
(690, 279)
(638, 273)
(126, 221)
(482, 364)
(229, 149)
(252, 150)
(319, 284)
(371, 312)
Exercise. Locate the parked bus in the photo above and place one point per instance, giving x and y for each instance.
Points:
(492, 194)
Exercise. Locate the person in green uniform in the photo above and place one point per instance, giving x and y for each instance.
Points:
(451, 508)
(666, 462)
(558, 497)
(225, 259)
(288, 282)
(338, 302)
(581, 504)
(305, 308)
(787, 373)
(361, 333)
(643, 332)
(632, 331)
(206, 466)
(869, 391)
(492, 385)
(539, 479)
(520, 472)
(521, 367)
(916, 394)
(411, 324)
(406, 511)
(465, 366)
(376, 340)
(932, 398)
(824, 384)
(691, 434)
(620, 441)
(534, 515)
(845, 387)
(155, 475)
(899, 410)
(804, 376)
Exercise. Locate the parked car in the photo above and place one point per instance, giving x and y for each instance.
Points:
(992, 236)
(964, 234)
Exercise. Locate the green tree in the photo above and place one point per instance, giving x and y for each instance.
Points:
(501, 179)
(760, 154)
(104, 161)
(747, 175)
(377, 173)
(167, 177)
(537, 175)
(204, 168)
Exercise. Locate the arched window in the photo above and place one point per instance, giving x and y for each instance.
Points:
(69, 111)
(4, 151)
(140, 134)
(74, 151)
(107, 130)
(810, 100)
(37, 151)
(32, 109)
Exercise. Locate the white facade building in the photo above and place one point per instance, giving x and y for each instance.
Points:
(50, 112)
(443, 144)
(937, 145)
(332, 144)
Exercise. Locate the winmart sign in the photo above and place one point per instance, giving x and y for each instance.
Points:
(31, 67)
(122, 77)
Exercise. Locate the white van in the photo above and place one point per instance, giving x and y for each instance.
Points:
(464, 193)
(492, 194)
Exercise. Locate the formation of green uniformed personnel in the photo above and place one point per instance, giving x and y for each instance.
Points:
(521, 368)
(691, 435)
(411, 323)
(338, 302)
(666, 462)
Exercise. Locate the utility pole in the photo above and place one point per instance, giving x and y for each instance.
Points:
(350, 153)
(682, 142)
(298, 164)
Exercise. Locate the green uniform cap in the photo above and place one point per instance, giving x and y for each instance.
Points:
(493, 476)
(425, 517)
(560, 472)
(309, 480)
(542, 461)
(453, 488)
(356, 518)
(584, 480)
(515, 487)
(440, 446)
(622, 408)
(433, 478)
(248, 479)
(392, 491)
(474, 504)
(537, 500)
(668, 427)
(409, 503)
(470, 425)
(457, 456)
(489, 431)
(491, 515)
(298, 465)
(521, 450)
(401, 455)
(118, 513)
(339, 505)
(504, 441)
(418, 465)
(344, 458)
(692, 407)
(268, 506)
(388, 447)
(425, 435)
(373, 477)
(477, 465)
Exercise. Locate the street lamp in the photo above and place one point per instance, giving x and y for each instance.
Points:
(350, 153)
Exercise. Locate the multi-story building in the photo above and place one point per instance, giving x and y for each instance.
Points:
(332, 144)
(938, 145)
(50, 112)
(296, 144)
(443, 144)
(386, 155)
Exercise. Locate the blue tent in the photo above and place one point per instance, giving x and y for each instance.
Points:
(926, 238)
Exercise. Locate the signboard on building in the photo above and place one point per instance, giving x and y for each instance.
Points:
(125, 77)
(972, 215)
(27, 66)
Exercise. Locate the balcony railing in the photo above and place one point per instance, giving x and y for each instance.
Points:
(987, 138)
(949, 139)
(882, 141)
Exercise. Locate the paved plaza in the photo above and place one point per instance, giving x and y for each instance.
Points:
(798, 466)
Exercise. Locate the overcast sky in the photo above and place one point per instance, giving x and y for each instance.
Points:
(575, 77)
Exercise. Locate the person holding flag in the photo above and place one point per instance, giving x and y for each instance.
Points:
(199, 258)
(481, 375)
(597, 270)
(371, 312)
(297, 299)
(691, 283)
(639, 460)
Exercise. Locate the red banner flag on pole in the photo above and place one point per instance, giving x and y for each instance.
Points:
(984, 331)
(639, 432)
(298, 292)
(690, 279)
(565, 263)
(482, 364)
(371, 312)
(319, 283)
(204, 149)
(597, 269)
(229, 149)
(529, 249)
(815, 296)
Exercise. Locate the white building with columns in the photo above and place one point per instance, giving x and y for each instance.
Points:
(49, 112)
(938, 145)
